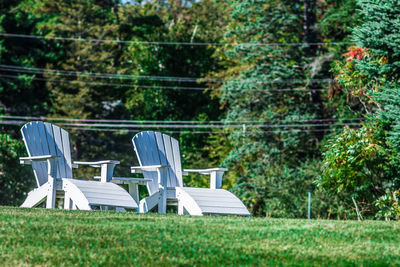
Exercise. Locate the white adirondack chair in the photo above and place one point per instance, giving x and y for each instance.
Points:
(160, 163)
(49, 154)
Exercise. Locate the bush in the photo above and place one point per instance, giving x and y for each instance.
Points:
(388, 205)
(15, 180)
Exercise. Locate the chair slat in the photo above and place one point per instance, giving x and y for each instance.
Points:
(66, 153)
(141, 152)
(34, 148)
(52, 144)
(38, 140)
(59, 150)
(42, 142)
(177, 160)
(43, 138)
(29, 144)
(50, 138)
(172, 182)
(152, 146)
(152, 159)
(161, 149)
(147, 142)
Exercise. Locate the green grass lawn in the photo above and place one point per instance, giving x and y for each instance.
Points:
(56, 237)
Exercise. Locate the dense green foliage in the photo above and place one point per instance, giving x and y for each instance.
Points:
(284, 88)
(389, 206)
(364, 162)
(49, 237)
(15, 182)
(268, 70)
(19, 94)
(77, 92)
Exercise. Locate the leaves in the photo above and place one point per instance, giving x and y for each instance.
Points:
(15, 181)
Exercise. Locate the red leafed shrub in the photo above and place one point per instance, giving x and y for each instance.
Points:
(355, 53)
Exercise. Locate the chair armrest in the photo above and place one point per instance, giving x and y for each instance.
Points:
(160, 169)
(51, 163)
(204, 171)
(29, 160)
(141, 181)
(107, 168)
(133, 183)
(141, 169)
(215, 175)
(95, 164)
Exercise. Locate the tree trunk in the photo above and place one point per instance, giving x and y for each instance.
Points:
(310, 38)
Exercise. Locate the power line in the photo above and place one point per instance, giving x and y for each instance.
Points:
(209, 126)
(191, 132)
(13, 35)
(102, 75)
(12, 68)
(114, 84)
(171, 121)
(307, 90)
(202, 132)
(186, 126)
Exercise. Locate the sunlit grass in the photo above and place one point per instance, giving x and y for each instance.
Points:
(56, 237)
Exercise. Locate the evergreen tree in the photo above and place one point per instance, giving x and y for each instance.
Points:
(268, 160)
(365, 162)
(380, 35)
(201, 22)
(80, 95)
(19, 92)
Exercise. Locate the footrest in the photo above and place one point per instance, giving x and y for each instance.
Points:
(200, 201)
(90, 193)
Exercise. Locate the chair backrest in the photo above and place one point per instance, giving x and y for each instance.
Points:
(155, 148)
(42, 138)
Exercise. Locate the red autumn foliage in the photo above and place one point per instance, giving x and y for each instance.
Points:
(355, 53)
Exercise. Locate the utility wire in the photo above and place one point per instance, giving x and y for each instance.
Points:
(191, 126)
(115, 84)
(172, 122)
(207, 126)
(12, 68)
(307, 90)
(186, 131)
(14, 35)
(201, 132)
(101, 75)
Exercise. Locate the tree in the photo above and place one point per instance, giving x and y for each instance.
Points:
(266, 159)
(200, 22)
(76, 92)
(364, 161)
(61, 81)
(15, 181)
(19, 92)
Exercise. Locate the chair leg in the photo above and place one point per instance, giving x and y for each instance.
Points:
(120, 209)
(52, 171)
(134, 191)
(36, 196)
(162, 203)
(181, 209)
(67, 201)
(149, 203)
(51, 196)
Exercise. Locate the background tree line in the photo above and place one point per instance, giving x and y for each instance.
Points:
(301, 111)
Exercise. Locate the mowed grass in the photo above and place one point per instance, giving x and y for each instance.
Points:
(92, 238)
